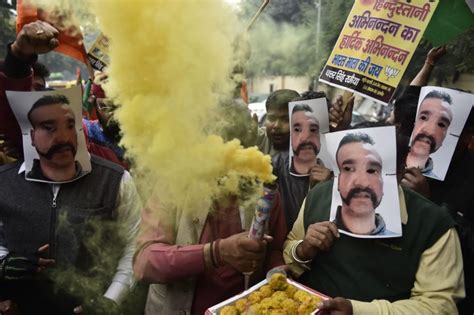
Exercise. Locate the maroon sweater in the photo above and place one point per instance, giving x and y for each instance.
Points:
(16, 75)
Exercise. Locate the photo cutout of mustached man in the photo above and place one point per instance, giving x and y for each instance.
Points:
(434, 117)
(54, 145)
(308, 120)
(360, 185)
(305, 139)
(54, 137)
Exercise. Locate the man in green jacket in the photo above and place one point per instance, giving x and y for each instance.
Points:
(420, 272)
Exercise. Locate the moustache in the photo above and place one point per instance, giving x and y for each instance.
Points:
(58, 147)
(302, 146)
(422, 136)
(358, 190)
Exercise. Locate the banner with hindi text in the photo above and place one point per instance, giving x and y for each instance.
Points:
(376, 45)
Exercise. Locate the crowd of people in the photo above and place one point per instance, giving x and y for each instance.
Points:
(68, 226)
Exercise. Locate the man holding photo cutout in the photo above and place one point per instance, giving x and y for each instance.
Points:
(360, 184)
(305, 140)
(431, 127)
(420, 272)
(67, 208)
(48, 229)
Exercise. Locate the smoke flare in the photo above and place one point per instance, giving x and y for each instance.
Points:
(170, 63)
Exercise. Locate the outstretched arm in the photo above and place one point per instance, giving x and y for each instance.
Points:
(421, 79)
(159, 260)
(35, 38)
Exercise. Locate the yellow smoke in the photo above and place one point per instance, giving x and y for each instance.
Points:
(66, 15)
(170, 62)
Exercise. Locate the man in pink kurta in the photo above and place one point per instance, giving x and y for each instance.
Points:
(196, 261)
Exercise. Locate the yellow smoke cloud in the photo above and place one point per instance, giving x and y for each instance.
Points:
(66, 15)
(170, 62)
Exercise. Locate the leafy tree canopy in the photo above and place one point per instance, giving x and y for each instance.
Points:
(283, 40)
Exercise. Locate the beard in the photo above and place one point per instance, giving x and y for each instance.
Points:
(357, 190)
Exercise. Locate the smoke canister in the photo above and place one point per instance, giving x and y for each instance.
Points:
(262, 213)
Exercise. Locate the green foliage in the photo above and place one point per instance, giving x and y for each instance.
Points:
(333, 17)
(281, 11)
(459, 58)
(283, 41)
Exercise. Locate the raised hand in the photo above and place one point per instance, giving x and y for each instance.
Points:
(340, 117)
(435, 54)
(35, 38)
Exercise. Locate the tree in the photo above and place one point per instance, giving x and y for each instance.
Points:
(283, 40)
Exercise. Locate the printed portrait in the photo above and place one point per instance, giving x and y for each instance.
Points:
(439, 121)
(53, 137)
(309, 121)
(365, 200)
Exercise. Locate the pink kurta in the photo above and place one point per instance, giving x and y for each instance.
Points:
(164, 263)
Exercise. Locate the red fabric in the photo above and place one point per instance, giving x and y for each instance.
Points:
(70, 38)
(97, 91)
(8, 124)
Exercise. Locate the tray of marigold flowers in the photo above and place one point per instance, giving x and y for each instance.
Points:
(276, 296)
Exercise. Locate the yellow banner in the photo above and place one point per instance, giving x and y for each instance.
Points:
(376, 45)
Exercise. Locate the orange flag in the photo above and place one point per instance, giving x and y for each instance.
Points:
(70, 38)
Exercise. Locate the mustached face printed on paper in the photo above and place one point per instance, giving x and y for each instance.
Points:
(365, 195)
(53, 138)
(309, 121)
(440, 119)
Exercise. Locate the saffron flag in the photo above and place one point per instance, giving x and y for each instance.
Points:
(70, 37)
